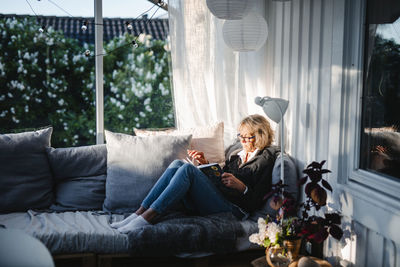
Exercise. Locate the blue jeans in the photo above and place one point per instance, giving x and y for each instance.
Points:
(183, 181)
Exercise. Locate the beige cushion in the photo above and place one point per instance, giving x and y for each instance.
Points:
(208, 139)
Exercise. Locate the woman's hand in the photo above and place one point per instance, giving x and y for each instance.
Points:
(229, 180)
(198, 156)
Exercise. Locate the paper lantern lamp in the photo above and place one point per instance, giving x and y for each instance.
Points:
(247, 34)
(230, 9)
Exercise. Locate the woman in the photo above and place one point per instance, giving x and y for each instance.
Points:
(247, 173)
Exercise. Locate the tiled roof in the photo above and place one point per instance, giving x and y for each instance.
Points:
(71, 26)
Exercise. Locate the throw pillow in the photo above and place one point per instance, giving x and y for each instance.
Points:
(134, 164)
(25, 177)
(80, 176)
(208, 139)
(291, 178)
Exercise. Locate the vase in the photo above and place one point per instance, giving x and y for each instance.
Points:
(293, 248)
(277, 257)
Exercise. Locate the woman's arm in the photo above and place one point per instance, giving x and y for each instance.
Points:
(229, 180)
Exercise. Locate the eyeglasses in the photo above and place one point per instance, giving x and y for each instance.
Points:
(244, 138)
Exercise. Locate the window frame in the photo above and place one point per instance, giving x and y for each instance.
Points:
(360, 180)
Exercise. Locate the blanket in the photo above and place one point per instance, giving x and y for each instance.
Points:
(177, 233)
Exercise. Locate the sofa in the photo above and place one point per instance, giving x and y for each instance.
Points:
(67, 197)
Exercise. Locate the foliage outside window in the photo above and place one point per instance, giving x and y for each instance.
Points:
(380, 136)
(137, 88)
(45, 79)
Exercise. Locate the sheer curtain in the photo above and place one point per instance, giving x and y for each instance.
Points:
(210, 81)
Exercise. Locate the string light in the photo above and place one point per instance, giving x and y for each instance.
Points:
(42, 29)
(129, 25)
(84, 26)
(161, 3)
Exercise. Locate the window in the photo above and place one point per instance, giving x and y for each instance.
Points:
(47, 68)
(137, 83)
(45, 77)
(380, 131)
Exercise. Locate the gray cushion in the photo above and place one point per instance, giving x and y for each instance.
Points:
(80, 176)
(290, 177)
(25, 176)
(134, 164)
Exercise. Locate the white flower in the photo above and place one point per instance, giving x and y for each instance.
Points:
(272, 230)
(255, 238)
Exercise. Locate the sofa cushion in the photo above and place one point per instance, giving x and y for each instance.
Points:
(208, 139)
(80, 176)
(25, 177)
(135, 163)
(290, 177)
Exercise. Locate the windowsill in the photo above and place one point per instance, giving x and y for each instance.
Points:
(369, 182)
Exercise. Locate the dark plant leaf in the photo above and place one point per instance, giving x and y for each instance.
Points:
(319, 220)
(326, 185)
(302, 181)
(314, 165)
(315, 176)
(305, 214)
(309, 187)
(319, 236)
(318, 195)
(335, 231)
(333, 218)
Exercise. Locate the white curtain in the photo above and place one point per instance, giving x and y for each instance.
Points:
(210, 81)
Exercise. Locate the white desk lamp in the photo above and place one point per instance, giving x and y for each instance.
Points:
(275, 108)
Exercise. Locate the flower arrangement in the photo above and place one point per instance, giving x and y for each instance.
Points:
(287, 226)
(272, 233)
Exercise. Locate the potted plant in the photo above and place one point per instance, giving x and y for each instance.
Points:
(295, 222)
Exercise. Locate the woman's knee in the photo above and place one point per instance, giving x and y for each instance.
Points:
(185, 172)
(176, 163)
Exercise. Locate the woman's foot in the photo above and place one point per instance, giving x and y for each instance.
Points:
(136, 223)
(124, 221)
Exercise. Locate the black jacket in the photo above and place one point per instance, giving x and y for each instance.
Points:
(256, 174)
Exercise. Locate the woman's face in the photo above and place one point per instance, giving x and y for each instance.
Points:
(247, 139)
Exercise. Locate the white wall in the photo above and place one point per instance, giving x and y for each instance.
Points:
(315, 61)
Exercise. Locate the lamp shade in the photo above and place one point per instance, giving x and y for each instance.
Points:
(274, 108)
(247, 34)
(230, 9)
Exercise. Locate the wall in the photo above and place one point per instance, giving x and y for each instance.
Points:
(315, 60)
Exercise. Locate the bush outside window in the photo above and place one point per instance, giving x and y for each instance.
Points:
(46, 79)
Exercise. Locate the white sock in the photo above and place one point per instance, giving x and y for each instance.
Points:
(134, 224)
(124, 221)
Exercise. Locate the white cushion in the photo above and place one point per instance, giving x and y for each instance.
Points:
(208, 139)
(134, 164)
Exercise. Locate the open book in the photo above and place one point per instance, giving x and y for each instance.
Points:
(214, 172)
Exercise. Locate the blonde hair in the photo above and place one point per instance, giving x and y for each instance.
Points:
(260, 127)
